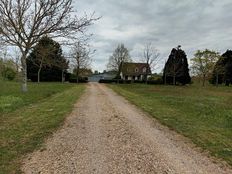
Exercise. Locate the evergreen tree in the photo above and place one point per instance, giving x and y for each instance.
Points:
(222, 72)
(46, 62)
(176, 68)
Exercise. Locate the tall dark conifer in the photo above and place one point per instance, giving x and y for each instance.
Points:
(47, 55)
(176, 69)
(222, 72)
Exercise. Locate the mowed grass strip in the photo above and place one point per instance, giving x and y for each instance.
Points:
(202, 114)
(11, 98)
(25, 128)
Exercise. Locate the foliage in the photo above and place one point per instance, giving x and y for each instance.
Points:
(120, 54)
(73, 79)
(222, 72)
(204, 62)
(7, 69)
(27, 119)
(83, 72)
(202, 114)
(9, 73)
(156, 76)
(176, 68)
(46, 59)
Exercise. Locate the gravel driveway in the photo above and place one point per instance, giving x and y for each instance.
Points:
(105, 134)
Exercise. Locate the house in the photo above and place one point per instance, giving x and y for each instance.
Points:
(134, 71)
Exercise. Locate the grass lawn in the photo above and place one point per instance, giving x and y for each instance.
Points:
(27, 119)
(202, 114)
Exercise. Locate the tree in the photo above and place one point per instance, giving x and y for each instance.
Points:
(176, 68)
(41, 56)
(120, 55)
(228, 69)
(204, 62)
(24, 22)
(151, 57)
(46, 59)
(222, 72)
(81, 56)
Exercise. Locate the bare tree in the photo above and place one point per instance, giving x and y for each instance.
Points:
(151, 57)
(120, 55)
(81, 57)
(24, 22)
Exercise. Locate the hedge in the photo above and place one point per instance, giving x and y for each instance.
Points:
(120, 81)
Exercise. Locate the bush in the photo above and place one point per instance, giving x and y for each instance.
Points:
(120, 81)
(8, 73)
(158, 81)
(73, 79)
(107, 81)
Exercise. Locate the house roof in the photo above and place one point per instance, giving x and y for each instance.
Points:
(135, 69)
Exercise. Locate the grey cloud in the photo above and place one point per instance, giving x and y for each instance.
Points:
(195, 24)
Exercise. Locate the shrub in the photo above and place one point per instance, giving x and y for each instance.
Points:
(120, 81)
(8, 73)
(73, 79)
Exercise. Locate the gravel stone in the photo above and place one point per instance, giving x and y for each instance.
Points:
(105, 134)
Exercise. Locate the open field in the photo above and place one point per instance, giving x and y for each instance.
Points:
(26, 119)
(202, 114)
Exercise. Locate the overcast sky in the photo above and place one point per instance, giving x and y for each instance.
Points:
(194, 24)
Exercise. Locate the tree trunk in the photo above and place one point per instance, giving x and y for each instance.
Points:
(174, 71)
(203, 80)
(165, 78)
(63, 79)
(174, 79)
(77, 75)
(146, 74)
(24, 72)
(146, 79)
(40, 68)
(217, 79)
(38, 75)
(174, 74)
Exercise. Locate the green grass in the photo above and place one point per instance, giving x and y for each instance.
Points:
(27, 119)
(11, 98)
(202, 114)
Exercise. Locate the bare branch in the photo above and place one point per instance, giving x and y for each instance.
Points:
(151, 56)
(24, 22)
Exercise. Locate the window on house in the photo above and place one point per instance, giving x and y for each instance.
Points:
(144, 69)
(136, 70)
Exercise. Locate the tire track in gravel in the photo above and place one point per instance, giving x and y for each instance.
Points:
(107, 135)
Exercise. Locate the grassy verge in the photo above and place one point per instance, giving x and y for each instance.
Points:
(11, 98)
(23, 128)
(202, 114)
